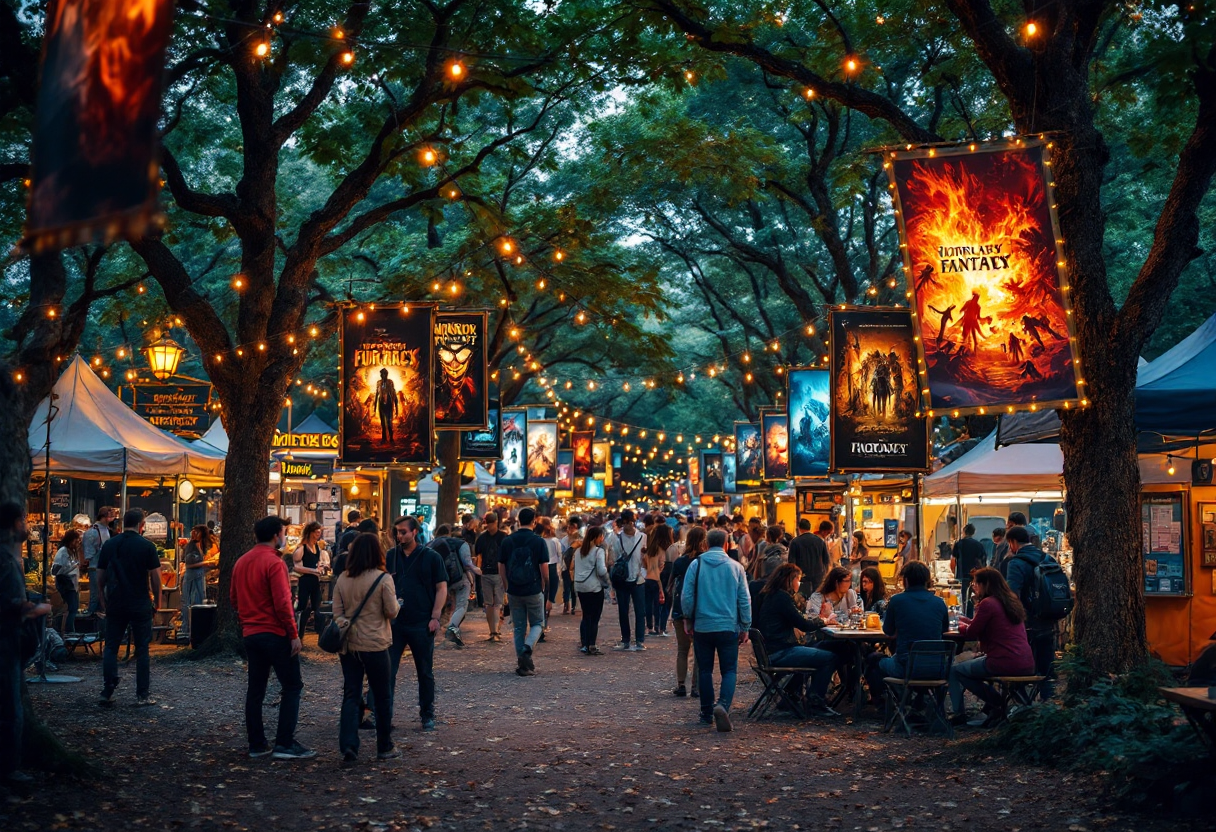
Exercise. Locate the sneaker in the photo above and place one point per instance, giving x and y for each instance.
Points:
(523, 671)
(391, 754)
(526, 659)
(264, 751)
(681, 691)
(721, 719)
(428, 724)
(623, 645)
(295, 752)
(639, 647)
(706, 720)
(594, 651)
(664, 634)
(978, 722)
(144, 702)
(450, 634)
(815, 706)
(106, 699)
(349, 757)
(694, 693)
(584, 650)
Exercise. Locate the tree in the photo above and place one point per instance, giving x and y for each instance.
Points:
(1051, 78)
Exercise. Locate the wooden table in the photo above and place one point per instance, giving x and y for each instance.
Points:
(859, 639)
(1198, 709)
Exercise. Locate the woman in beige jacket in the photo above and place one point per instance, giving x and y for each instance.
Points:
(368, 637)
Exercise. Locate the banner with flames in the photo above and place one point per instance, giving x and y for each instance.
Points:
(461, 390)
(982, 254)
(542, 452)
(580, 443)
(775, 429)
(387, 394)
(877, 423)
(95, 143)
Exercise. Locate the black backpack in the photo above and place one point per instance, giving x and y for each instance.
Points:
(1048, 597)
(449, 549)
(620, 569)
(521, 570)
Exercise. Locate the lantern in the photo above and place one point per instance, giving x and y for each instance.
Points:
(163, 357)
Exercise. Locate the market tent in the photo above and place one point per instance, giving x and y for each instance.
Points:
(314, 424)
(94, 434)
(215, 439)
(986, 469)
(482, 480)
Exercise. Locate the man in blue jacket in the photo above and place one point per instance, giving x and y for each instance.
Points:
(718, 612)
(1024, 556)
(915, 614)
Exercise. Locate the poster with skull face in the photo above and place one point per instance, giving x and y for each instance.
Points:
(461, 398)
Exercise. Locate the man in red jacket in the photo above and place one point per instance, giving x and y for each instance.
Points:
(261, 596)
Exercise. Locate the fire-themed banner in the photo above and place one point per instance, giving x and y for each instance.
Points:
(775, 430)
(512, 469)
(461, 389)
(486, 443)
(982, 254)
(749, 454)
(581, 442)
(387, 394)
(95, 141)
(808, 403)
(542, 452)
(711, 472)
(877, 424)
(694, 476)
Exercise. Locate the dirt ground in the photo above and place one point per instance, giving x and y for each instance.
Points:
(587, 743)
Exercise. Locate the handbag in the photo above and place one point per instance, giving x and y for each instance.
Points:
(333, 637)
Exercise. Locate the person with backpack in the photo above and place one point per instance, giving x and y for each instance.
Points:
(694, 544)
(523, 564)
(590, 575)
(128, 577)
(94, 539)
(421, 580)
(628, 576)
(1042, 587)
(458, 564)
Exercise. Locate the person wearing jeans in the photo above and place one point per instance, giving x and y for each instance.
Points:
(261, 597)
(590, 571)
(717, 608)
(630, 545)
(527, 620)
(523, 563)
(128, 577)
(999, 626)
(694, 545)
(776, 619)
(421, 581)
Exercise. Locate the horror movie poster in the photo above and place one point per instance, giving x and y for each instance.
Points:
(808, 403)
(982, 258)
(95, 142)
(876, 420)
(711, 472)
(581, 442)
(774, 428)
(565, 471)
(542, 452)
(749, 454)
(386, 384)
(486, 443)
(512, 469)
(461, 396)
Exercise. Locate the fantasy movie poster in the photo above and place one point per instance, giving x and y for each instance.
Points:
(729, 483)
(461, 397)
(775, 429)
(487, 443)
(565, 471)
(749, 454)
(386, 384)
(876, 420)
(808, 403)
(711, 472)
(580, 442)
(982, 259)
(95, 143)
(542, 452)
(512, 469)
(600, 453)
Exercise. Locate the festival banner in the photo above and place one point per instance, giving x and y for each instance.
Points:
(182, 409)
(95, 143)
(461, 389)
(711, 472)
(580, 443)
(694, 477)
(387, 394)
(774, 428)
(593, 489)
(600, 455)
(512, 469)
(749, 454)
(542, 452)
(729, 484)
(808, 411)
(486, 443)
(982, 252)
(877, 424)
(565, 471)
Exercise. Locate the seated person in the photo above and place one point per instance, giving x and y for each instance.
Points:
(1000, 627)
(873, 591)
(915, 614)
(777, 618)
(835, 598)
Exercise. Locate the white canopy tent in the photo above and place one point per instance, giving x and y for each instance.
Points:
(1025, 470)
(93, 434)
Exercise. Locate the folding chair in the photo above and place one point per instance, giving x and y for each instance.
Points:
(928, 671)
(776, 681)
(1016, 692)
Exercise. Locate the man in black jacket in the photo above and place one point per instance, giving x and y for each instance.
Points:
(809, 552)
(1039, 632)
(968, 556)
(421, 581)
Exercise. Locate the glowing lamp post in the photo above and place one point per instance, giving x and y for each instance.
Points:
(163, 357)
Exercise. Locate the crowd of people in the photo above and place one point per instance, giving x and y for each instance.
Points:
(711, 583)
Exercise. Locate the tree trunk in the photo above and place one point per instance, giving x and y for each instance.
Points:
(449, 489)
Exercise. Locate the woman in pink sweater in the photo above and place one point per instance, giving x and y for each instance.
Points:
(999, 626)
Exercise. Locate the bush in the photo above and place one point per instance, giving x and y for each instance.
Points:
(1117, 726)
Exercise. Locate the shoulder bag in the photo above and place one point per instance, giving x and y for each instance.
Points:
(333, 637)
